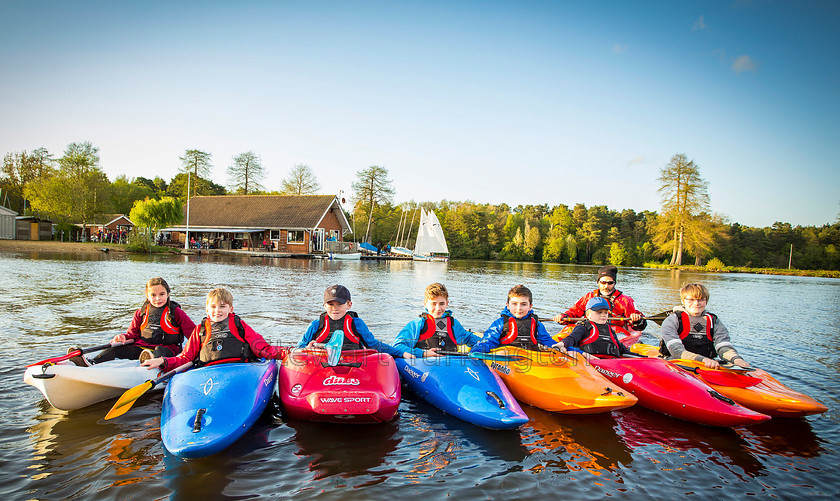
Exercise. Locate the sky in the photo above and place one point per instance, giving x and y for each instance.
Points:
(516, 102)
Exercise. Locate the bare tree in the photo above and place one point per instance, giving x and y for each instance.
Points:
(685, 201)
(246, 172)
(300, 181)
(372, 186)
(197, 163)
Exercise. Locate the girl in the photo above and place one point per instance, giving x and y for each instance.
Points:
(158, 329)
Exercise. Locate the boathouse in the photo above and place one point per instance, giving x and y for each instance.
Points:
(33, 228)
(294, 224)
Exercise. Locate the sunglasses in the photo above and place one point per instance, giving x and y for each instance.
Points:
(607, 283)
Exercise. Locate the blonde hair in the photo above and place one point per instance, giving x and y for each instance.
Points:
(156, 281)
(436, 289)
(220, 295)
(521, 291)
(697, 291)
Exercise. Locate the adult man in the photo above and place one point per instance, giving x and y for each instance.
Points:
(621, 305)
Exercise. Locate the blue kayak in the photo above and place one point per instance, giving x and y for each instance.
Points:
(207, 409)
(465, 388)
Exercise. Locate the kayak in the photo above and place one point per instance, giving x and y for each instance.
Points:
(662, 387)
(626, 337)
(465, 388)
(68, 387)
(363, 388)
(756, 390)
(207, 409)
(559, 383)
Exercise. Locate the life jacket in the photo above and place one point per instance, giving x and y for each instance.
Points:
(326, 326)
(701, 345)
(598, 344)
(520, 332)
(225, 343)
(158, 325)
(431, 338)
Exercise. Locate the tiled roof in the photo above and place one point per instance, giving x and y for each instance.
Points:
(259, 211)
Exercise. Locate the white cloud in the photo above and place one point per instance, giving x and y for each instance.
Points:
(636, 161)
(619, 49)
(700, 24)
(744, 63)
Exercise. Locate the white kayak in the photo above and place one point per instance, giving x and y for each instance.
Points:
(68, 387)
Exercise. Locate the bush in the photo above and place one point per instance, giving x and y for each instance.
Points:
(715, 264)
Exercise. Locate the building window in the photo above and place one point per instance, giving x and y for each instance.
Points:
(334, 235)
(294, 236)
(275, 234)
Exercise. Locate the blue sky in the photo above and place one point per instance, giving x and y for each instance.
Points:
(516, 102)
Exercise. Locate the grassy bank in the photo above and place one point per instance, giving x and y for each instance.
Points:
(741, 269)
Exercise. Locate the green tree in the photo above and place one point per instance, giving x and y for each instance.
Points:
(684, 198)
(124, 193)
(618, 254)
(372, 187)
(200, 187)
(245, 173)
(155, 214)
(300, 181)
(20, 169)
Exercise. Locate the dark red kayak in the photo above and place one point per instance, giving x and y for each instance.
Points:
(661, 387)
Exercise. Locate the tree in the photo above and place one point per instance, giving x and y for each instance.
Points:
(246, 172)
(125, 193)
(300, 181)
(156, 214)
(684, 197)
(372, 186)
(200, 186)
(78, 192)
(20, 169)
(197, 164)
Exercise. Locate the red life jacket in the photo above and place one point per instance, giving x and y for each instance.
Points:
(326, 326)
(704, 346)
(521, 332)
(224, 345)
(596, 344)
(162, 329)
(428, 338)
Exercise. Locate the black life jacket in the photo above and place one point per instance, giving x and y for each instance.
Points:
(431, 338)
(701, 345)
(224, 342)
(598, 343)
(326, 326)
(158, 325)
(520, 332)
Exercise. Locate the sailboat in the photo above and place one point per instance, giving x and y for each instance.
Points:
(430, 244)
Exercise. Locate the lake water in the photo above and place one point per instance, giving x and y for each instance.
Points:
(788, 325)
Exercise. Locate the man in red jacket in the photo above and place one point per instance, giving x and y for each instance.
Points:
(621, 305)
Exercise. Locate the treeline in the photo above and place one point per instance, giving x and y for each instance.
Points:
(599, 235)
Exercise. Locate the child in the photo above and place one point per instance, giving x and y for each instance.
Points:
(695, 334)
(158, 329)
(338, 316)
(436, 329)
(221, 337)
(595, 335)
(518, 325)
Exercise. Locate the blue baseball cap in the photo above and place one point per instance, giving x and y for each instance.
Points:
(597, 303)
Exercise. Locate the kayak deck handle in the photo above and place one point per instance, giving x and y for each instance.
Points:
(721, 397)
(43, 374)
(197, 422)
(343, 364)
(498, 400)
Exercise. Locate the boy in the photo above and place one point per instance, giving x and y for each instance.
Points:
(518, 325)
(221, 337)
(621, 304)
(338, 316)
(594, 335)
(695, 334)
(436, 329)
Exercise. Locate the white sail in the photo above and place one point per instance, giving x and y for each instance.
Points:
(430, 244)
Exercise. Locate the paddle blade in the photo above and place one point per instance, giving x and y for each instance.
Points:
(724, 378)
(334, 347)
(127, 399)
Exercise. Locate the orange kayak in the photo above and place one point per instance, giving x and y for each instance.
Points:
(756, 390)
(558, 383)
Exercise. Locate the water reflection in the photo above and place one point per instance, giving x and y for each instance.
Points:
(783, 437)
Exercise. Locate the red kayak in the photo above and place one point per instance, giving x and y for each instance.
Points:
(364, 387)
(661, 387)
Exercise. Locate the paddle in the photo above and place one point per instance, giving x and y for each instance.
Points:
(722, 378)
(333, 347)
(127, 399)
(658, 318)
(78, 352)
(484, 356)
